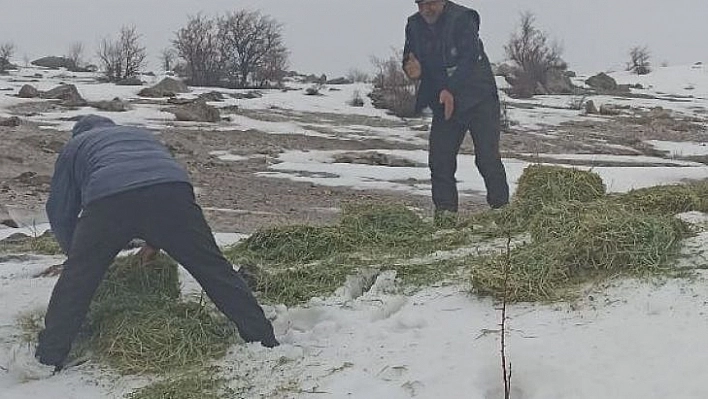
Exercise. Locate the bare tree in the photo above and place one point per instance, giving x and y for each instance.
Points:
(76, 54)
(534, 57)
(168, 56)
(197, 44)
(238, 49)
(124, 57)
(357, 75)
(249, 42)
(7, 50)
(639, 60)
(273, 68)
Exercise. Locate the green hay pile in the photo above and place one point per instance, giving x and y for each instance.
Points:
(541, 185)
(138, 324)
(578, 234)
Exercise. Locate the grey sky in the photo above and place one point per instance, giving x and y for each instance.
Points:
(333, 36)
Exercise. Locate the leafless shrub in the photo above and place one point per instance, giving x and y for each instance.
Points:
(7, 50)
(356, 100)
(577, 101)
(167, 58)
(534, 57)
(504, 118)
(122, 58)
(75, 54)
(393, 90)
(357, 75)
(639, 60)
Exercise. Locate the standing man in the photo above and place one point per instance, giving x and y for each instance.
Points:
(443, 50)
(112, 184)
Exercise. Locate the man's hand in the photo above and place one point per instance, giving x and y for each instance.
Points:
(448, 101)
(147, 254)
(411, 66)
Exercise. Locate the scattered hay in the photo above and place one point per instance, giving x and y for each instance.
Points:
(201, 385)
(666, 200)
(573, 243)
(44, 244)
(293, 243)
(138, 324)
(292, 264)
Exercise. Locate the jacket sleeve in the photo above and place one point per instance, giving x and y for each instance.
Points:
(467, 43)
(408, 46)
(64, 203)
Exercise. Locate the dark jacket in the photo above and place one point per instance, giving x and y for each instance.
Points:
(100, 160)
(452, 57)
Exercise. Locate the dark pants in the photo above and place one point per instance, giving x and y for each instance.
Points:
(446, 137)
(167, 216)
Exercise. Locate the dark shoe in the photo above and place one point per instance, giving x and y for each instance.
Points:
(270, 342)
(445, 219)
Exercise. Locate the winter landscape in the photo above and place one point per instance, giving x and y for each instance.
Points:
(423, 318)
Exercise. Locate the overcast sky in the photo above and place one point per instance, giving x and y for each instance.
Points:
(333, 36)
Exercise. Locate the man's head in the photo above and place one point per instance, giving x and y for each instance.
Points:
(89, 122)
(431, 10)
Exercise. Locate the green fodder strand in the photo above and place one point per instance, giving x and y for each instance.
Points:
(573, 243)
(299, 283)
(138, 324)
(291, 244)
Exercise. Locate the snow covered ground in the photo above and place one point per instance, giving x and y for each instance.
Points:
(633, 339)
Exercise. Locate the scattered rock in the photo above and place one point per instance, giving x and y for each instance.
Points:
(67, 93)
(339, 81)
(167, 87)
(12, 121)
(115, 105)
(15, 238)
(53, 62)
(660, 113)
(179, 101)
(197, 111)
(590, 108)
(131, 81)
(247, 95)
(33, 179)
(602, 82)
(503, 69)
(212, 96)
(28, 91)
(609, 110)
(374, 158)
(9, 223)
(558, 82)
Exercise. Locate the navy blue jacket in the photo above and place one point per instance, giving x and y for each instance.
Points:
(100, 160)
(452, 57)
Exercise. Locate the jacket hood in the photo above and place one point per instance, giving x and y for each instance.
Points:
(90, 122)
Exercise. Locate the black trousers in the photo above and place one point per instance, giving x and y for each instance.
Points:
(483, 123)
(167, 216)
